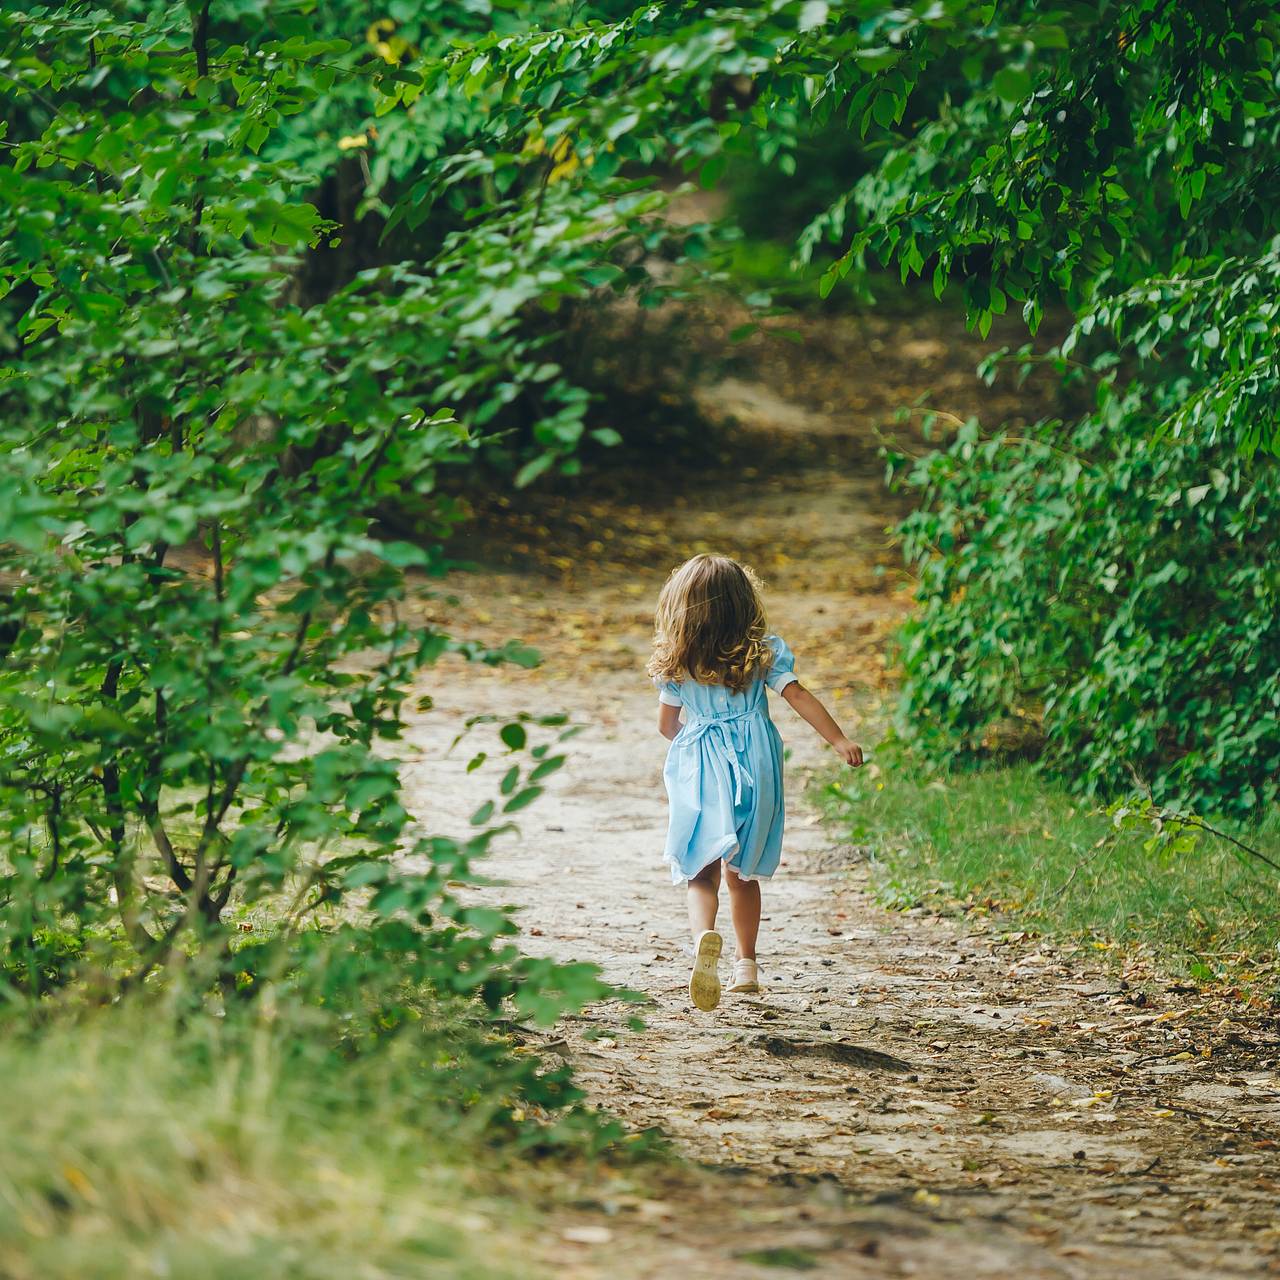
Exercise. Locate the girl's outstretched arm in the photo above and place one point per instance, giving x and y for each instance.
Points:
(810, 709)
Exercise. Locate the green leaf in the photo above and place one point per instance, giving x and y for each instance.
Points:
(548, 766)
(1013, 84)
(813, 14)
(886, 108)
(712, 171)
(1049, 36)
(521, 654)
(521, 799)
(403, 554)
(533, 469)
(621, 124)
(366, 873)
(877, 59)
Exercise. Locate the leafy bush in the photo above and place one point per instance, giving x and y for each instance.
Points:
(1108, 580)
(204, 654)
(1117, 599)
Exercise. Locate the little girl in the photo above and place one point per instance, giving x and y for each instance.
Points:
(712, 658)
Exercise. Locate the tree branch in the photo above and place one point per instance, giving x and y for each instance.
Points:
(55, 830)
(164, 846)
(200, 41)
(1190, 820)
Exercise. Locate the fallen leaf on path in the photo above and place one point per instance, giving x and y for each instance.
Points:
(723, 1113)
(1173, 1015)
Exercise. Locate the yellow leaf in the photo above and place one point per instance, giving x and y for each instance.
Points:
(352, 141)
(77, 1181)
(563, 170)
(1173, 1015)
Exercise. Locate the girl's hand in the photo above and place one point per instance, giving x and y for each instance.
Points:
(849, 752)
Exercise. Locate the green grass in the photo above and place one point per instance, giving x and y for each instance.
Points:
(134, 1145)
(1007, 840)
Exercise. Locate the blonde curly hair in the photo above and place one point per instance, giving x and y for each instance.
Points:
(710, 625)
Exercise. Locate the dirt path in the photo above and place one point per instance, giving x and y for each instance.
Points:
(1043, 1117)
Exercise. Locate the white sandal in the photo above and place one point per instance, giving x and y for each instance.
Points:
(704, 981)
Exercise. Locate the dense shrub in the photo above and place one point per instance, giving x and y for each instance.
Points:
(1116, 597)
(205, 660)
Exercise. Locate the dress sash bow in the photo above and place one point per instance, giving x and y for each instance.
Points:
(717, 728)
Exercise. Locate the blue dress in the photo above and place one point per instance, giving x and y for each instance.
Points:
(724, 775)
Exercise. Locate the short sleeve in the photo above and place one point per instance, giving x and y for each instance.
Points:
(783, 670)
(669, 693)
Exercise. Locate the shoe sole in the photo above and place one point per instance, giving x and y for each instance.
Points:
(746, 989)
(704, 981)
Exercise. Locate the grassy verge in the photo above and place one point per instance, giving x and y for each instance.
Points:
(1007, 840)
(137, 1143)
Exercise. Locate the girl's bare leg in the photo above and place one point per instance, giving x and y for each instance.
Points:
(744, 901)
(704, 898)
